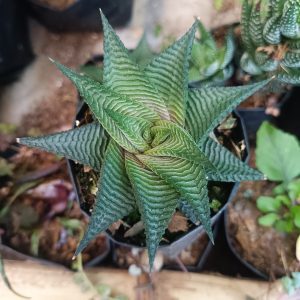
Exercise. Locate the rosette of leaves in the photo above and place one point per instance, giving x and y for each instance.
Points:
(150, 140)
(271, 39)
(210, 64)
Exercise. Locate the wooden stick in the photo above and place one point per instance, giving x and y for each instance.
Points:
(42, 282)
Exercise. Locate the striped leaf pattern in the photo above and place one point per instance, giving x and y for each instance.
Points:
(121, 72)
(169, 73)
(271, 40)
(156, 199)
(178, 144)
(86, 144)
(149, 141)
(114, 199)
(229, 167)
(189, 179)
(213, 104)
(100, 98)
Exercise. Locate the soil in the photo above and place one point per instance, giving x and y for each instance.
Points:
(57, 4)
(269, 251)
(35, 218)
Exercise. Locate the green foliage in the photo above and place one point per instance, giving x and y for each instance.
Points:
(6, 169)
(277, 153)
(149, 140)
(278, 156)
(210, 64)
(271, 39)
(282, 210)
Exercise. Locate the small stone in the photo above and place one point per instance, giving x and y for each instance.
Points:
(134, 270)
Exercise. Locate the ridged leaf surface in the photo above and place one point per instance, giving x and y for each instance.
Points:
(188, 178)
(229, 167)
(124, 76)
(169, 73)
(86, 144)
(208, 106)
(156, 200)
(114, 199)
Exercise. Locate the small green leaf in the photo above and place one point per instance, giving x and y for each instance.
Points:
(286, 225)
(268, 204)
(274, 151)
(283, 199)
(295, 210)
(35, 242)
(268, 219)
(294, 189)
(6, 169)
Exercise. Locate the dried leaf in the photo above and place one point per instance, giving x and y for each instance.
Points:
(135, 229)
(178, 223)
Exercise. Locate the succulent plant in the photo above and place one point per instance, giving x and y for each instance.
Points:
(210, 64)
(150, 140)
(271, 39)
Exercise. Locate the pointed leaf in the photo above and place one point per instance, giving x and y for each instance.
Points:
(85, 144)
(169, 73)
(208, 106)
(245, 25)
(99, 98)
(178, 143)
(229, 167)
(114, 198)
(188, 211)
(142, 54)
(271, 31)
(289, 76)
(156, 200)
(256, 28)
(290, 17)
(188, 179)
(124, 76)
(229, 50)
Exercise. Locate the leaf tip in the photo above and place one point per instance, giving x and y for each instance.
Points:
(51, 59)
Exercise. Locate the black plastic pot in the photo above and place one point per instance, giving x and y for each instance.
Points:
(83, 15)
(289, 122)
(174, 265)
(15, 48)
(249, 266)
(254, 117)
(172, 250)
